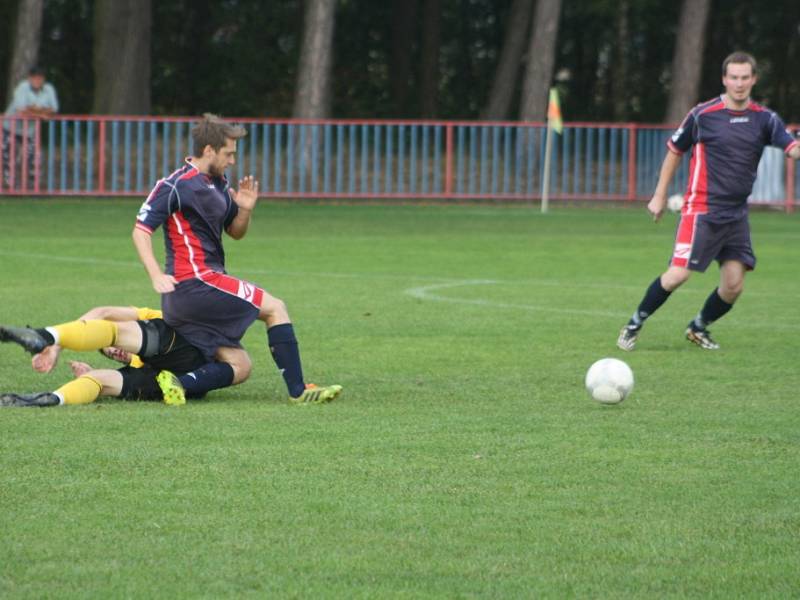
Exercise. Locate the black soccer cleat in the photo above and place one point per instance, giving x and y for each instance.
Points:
(702, 338)
(27, 337)
(37, 399)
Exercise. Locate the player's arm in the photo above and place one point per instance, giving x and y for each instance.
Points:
(668, 168)
(162, 282)
(245, 199)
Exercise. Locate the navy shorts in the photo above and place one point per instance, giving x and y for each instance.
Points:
(212, 311)
(698, 241)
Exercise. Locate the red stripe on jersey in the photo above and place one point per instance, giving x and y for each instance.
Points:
(684, 240)
(697, 190)
(236, 287)
(718, 104)
(189, 259)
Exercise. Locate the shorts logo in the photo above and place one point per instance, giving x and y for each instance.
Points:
(246, 291)
(682, 250)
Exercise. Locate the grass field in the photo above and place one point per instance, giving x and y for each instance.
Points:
(464, 458)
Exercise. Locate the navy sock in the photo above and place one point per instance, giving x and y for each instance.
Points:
(211, 376)
(654, 297)
(714, 308)
(285, 353)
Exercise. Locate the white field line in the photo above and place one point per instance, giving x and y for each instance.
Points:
(428, 292)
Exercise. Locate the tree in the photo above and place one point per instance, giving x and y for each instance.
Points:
(312, 94)
(400, 67)
(431, 41)
(506, 75)
(26, 41)
(687, 61)
(122, 57)
(540, 60)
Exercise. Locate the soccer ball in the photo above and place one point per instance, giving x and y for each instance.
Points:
(675, 203)
(609, 380)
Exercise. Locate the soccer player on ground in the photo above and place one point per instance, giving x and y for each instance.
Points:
(208, 307)
(727, 136)
(163, 352)
(152, 340)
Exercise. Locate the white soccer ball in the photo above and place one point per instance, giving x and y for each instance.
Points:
(609, 380)
(675, 203)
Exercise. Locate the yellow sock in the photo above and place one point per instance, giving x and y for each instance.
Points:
(86, 335)
(83, 390)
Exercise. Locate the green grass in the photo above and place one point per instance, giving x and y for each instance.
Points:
(464, 458)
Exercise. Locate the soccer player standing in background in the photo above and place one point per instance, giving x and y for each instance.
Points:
(727, 136)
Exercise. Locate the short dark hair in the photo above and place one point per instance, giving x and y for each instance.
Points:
(36, 70)
(213, 131)
(738, 58)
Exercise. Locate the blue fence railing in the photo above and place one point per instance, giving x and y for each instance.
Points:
(362, 159)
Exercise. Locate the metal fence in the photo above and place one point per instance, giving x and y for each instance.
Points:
(107, 156)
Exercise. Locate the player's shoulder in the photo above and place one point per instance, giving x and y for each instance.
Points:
(708, 106)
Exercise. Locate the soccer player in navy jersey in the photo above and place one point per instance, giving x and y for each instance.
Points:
(208, 307)
(727, 136)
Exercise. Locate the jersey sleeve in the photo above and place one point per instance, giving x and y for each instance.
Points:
(160, 204)
(778, 135)
(684, 136)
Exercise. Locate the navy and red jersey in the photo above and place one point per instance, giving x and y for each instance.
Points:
(726, 149)
(194, 210)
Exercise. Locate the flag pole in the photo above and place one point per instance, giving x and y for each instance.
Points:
(554, 125)
(548, 151)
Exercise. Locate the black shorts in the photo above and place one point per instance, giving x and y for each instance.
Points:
(173, 352)
(141, 384)
(699, 241)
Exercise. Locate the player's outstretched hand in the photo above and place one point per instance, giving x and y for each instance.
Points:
(656, 206)
(46, 360)
(164, 284)
(247, 194)
(79, 368)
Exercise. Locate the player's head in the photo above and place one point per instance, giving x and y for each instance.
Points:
(36, 77)
(739, 75)
(215, 141)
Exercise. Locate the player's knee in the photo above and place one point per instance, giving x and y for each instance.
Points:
(675, 277)
(274, 307)
(242, 367)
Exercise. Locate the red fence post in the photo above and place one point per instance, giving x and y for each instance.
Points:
(37, 155)
(12, 156)
(789, 202)
(448, 173)
(101, 158)
(632, 162)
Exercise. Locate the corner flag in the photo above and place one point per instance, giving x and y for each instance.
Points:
(554, 112)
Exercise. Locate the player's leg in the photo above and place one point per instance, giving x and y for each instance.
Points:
(718, 304)
(656, 294)
(83, 390)
(76, 335)
(285, 352)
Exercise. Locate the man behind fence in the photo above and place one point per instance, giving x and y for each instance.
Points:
(727, 136)
(34, 98)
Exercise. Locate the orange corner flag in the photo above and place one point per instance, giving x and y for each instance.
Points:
(554, 112)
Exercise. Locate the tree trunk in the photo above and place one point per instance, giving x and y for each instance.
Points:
(312, 96)
(507, 73)
(687, 59)
(400, 71)
(26, 42)
(431, 40)
(620, 92)
(122, 57)
(541, 58)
